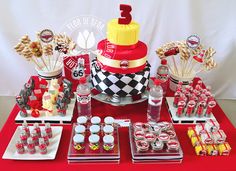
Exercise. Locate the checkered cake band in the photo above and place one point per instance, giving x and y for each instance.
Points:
(119, 84)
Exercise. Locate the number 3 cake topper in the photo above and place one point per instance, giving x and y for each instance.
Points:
(125, 14)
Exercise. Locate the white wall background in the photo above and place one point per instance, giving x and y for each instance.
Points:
(161, 21)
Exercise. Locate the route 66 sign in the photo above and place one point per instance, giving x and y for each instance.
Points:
(78, 71)
(76, 67)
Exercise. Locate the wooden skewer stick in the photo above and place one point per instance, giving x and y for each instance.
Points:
(56, 60)
(36, 63)
(175, 66)
(44, 62)
(171, 70)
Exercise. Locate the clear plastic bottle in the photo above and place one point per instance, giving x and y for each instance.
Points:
(154, 102)
(162, 74)
(84, 98)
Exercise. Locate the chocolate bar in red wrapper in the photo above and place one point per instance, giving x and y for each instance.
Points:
(75, 67)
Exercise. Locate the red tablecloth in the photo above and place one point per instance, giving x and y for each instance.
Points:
(136, 112)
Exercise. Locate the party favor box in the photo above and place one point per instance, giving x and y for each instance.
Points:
(76, 67)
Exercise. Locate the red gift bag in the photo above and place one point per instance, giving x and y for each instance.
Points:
(74, 69)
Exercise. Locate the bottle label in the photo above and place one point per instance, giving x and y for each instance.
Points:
(83, 99)
(154, 101)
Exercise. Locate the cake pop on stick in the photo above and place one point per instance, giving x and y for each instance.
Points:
(19, 48)
(25, 40)
(196, 59)
(48, 51)
(184, 56)
(64, 44)
(27, 53)
(37, 51)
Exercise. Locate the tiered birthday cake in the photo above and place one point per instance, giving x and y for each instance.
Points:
(121, 66)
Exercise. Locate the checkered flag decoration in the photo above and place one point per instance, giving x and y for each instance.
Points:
(119, 84)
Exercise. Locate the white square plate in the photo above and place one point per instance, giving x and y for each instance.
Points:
(10, 152)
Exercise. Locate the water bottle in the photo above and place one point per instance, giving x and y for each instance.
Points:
(84, 98)
(154, 102)
(162, 74)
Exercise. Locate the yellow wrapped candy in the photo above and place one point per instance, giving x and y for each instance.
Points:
(195, 140)
(224, 149)
(201, 149)
(191, 132)
(212, 150)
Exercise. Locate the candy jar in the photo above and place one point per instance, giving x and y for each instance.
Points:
(95, 120)
(37, 129)
(108, 130)
(45, 137)
(23, 137)
(35, 137)
(142, 145)
(180, 109)
(108, 142)
(78, 141)
(157, 145)
(20, 147)
(26, 129)
(94, 129)
(82, 120)
(94, 142)
(48, 130)
(31, 146)
(172, 145)
(210, 106)
(109, 120)
(42, 146)
(139, 135)
(80, 129)
(150, 137)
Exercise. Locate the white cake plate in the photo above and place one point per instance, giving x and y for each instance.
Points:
(51, 119)
(184, 119)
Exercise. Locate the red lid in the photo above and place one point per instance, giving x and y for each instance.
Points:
(164, 62)
(82, 80)
(157, 82)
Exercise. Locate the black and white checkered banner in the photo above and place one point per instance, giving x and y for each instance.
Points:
(119, 84)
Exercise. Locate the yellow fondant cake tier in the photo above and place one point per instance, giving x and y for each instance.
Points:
(122, 34)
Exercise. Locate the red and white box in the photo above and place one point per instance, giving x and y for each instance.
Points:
(212, 125)
(219, 137)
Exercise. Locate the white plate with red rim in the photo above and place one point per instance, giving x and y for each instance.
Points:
(10, 152)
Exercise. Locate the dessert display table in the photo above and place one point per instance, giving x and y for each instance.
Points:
(137, 113)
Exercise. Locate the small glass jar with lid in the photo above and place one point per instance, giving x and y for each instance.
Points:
(95, 120)
(80, 129)
(82, 120)
(94, 129)
(108, 130)
(108, 142)
(78, 141)
(109, 120)
(94, 142)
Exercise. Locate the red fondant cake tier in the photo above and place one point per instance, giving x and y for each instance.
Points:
(122, 59)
